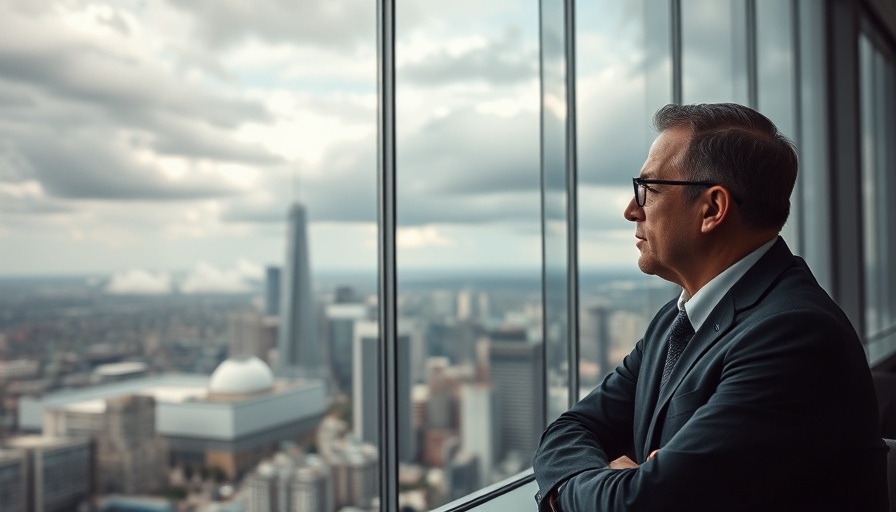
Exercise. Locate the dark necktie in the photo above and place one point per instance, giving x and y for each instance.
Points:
(679, 336)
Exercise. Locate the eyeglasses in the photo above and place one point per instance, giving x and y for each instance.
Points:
(641, 188)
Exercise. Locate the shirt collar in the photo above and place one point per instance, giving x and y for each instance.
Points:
(701, 304)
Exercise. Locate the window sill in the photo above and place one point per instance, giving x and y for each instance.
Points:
(515, 493)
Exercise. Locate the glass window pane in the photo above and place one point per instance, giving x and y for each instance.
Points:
(878, 107)
(869, 202)
(469, 244)
(623, 77)
(188, 212)
(554, 144)
(776, 75)
(714, 44)
(813, 184)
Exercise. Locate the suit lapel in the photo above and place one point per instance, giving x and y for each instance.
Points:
(715, 326)
(744, 294)
(654, 355)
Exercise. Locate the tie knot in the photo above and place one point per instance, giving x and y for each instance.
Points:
(682, 328)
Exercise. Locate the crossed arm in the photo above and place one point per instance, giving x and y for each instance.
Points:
(769, 398)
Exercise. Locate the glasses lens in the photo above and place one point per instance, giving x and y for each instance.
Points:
(640, 194)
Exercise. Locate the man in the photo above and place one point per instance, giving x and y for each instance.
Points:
(750, 391)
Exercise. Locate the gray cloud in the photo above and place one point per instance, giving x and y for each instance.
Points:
(31, 206)
(83, 166)
(501, 62)
(341, 24)
(469, 152)
(77, 117)
(467, 167)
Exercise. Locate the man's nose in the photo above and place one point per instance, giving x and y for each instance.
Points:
(632, 211)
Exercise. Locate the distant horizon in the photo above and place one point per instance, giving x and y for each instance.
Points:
(412, 272)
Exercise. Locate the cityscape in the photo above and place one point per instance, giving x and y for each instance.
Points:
(266, 399)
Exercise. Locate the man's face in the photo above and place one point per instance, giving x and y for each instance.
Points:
(666, 227)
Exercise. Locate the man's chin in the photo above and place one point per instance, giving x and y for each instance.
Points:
(646, 266)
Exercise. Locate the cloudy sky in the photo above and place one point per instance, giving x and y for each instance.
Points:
(142, 138)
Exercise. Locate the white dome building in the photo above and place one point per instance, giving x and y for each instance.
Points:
(240, 377)
(230, 420)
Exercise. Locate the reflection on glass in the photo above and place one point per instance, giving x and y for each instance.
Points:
(869, 177)
(469, 246)
(877, 82)
(554, 140)
(776, 73)
(188, 212)
(714, 51)
(623, 76)
(813, 184)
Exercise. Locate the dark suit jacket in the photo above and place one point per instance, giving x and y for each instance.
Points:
(770, 407)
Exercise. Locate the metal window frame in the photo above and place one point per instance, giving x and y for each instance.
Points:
(846, 247)
(572, 218)
(386, 261)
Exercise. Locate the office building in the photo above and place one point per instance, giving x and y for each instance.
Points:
(249, 334)
(515, 370)
(57, 474)
(339, 332)
(479, 416)
(365, 398)
(13, 480)
(299, 348)
(461, 475)
(596, 342)
(130, 455)
(272, 291)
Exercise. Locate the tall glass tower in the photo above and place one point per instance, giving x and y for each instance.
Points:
(298, 345)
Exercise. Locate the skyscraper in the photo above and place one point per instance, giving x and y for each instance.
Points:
(340, 325)
(272, 291)
(515, 368)
(365, 398)
(298, 345)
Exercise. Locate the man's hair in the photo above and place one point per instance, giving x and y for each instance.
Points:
(741, 150)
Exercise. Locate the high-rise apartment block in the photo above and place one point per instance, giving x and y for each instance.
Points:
(355, 475)
(311, 487)
(291, 482)
(299, 348)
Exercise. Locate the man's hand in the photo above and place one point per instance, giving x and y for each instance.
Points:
(627, 463)
(623, 463)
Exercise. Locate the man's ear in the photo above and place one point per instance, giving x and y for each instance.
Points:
(716, 207)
